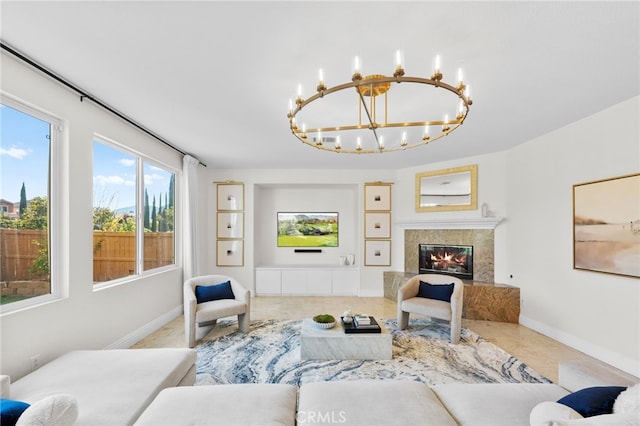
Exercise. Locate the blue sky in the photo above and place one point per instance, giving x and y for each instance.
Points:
(24, 151)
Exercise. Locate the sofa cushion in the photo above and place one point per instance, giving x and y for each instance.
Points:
(11, 410)
(58, 410)
(231, 404)
(593, 401)
(207, 293)
(112, 387)
(436, 291)
(371, 403)
(495, 404)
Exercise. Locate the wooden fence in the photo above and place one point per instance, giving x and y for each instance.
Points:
(114, 253)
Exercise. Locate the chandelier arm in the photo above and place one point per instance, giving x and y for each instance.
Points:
(372, 125)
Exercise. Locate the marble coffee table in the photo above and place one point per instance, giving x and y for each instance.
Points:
(334, 343)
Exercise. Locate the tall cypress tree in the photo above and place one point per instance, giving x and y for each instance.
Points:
(172, 189)
(154, 216)
(147, 220)
(23, 200)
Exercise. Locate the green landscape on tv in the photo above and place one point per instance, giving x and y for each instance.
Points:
(307, 229)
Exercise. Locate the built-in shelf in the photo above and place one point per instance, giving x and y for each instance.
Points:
(471, 223)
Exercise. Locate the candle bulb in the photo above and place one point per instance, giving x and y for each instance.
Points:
(358, 144)
(425, 136)
(398, 59)
(403, 142)
(460, 79)
(320, 75)
(356, 64)
(381, 142)
(338, 145)
(290, 105)
(437, 65)
(299, 90)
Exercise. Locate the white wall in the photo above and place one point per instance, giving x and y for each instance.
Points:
(269, 191)
(86, 319)
(596, 313)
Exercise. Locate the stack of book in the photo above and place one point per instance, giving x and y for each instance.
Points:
(362, 324)
(362, 320)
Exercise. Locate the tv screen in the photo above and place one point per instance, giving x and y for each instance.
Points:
(300, 229)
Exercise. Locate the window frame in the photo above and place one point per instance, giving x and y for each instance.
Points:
(54, 223)
(141, 159)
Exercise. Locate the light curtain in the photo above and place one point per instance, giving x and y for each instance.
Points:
(190, 209)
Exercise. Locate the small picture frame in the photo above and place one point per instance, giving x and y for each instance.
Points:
(377, 253)
(377, 225)
(230, 196)
(377, 197)
(230, 225)
(230, 253)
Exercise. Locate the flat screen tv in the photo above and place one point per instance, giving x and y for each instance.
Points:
(307, 229)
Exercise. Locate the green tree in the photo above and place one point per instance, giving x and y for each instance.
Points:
(36, 215)
(154, 216)
(172, 190)
(23, 199)
(147, 220)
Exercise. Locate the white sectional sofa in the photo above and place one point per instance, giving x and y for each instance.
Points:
(111, 387)
(143, 387)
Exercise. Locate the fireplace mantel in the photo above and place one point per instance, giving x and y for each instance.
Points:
(464, 223)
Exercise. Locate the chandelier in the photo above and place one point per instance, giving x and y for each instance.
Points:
(347, 118)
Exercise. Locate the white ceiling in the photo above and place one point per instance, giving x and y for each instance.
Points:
(214, 78)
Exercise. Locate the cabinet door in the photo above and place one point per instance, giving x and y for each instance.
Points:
(268, 281)
(345, 281)
(318, 282)
(294, 281)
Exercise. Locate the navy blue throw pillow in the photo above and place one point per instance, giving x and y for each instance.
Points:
(436, 291)
(207, 293)
(593, 401)
(10, 411)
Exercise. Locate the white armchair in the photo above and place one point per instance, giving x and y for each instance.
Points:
(409, 302)
(206, 314)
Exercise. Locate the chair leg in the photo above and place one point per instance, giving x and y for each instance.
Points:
(243, 322)
(403, 320)
(455, 334)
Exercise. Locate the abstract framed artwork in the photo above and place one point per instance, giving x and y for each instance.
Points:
(230, 196)
(606, 226)
(230, 225)
(377, 225)
(377, 253)
(230, 253)
(377, 197)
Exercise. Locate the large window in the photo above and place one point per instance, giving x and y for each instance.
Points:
(133, 213)
(28, 140)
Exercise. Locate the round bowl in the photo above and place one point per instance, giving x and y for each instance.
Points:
(325, 325)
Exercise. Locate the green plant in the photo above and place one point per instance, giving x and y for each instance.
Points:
(324, 319)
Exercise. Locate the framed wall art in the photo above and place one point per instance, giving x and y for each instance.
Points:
(377, 225)
(230, 225)
(230, 253)
(377, 253)
(230, 196)
(606, 225)
(377, 196)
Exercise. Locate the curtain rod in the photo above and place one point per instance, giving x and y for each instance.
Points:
(85, 95)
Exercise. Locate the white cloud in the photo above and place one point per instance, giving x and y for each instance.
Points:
(127, 162)
(112, 180)
(152, 178)
(14, 152)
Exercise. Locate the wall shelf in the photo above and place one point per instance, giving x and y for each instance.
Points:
(471, 223)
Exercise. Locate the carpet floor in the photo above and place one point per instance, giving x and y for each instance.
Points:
(270, 353)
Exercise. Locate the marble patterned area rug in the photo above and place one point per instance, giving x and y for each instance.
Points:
(270, 353)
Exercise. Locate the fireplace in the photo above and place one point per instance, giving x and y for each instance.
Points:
(451, 260)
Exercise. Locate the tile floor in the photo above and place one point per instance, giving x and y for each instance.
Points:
(536, 350)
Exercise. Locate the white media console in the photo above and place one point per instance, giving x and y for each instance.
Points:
(316, 280)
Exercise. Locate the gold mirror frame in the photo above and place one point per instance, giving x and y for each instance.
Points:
(423, 179)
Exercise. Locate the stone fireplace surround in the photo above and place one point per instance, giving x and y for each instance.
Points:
(483, 299)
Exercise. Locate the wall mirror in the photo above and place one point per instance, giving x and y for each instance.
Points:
(447, 189)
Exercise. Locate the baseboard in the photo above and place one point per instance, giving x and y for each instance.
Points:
(142, 332)
(371, 293)
(603, 354)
